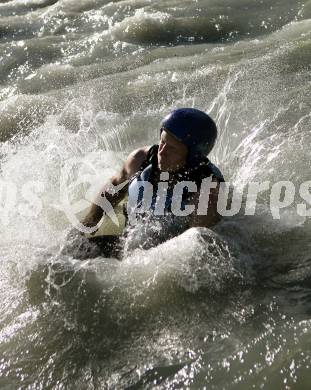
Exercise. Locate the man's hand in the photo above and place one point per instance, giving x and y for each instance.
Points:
(212, 217)
(116, 189)
(90, 221)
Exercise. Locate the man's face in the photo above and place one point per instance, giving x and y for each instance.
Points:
(172, 154)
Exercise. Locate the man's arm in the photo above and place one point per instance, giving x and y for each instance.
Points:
(212, 217)
(129, 168)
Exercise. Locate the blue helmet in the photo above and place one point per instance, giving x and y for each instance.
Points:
(194, 128)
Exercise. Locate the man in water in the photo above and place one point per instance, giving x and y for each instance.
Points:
(187, 135)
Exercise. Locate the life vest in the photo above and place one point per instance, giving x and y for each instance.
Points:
(149, 172)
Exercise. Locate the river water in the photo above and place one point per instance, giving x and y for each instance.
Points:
(87, 82)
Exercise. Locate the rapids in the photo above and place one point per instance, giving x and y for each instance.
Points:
(84, 83)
